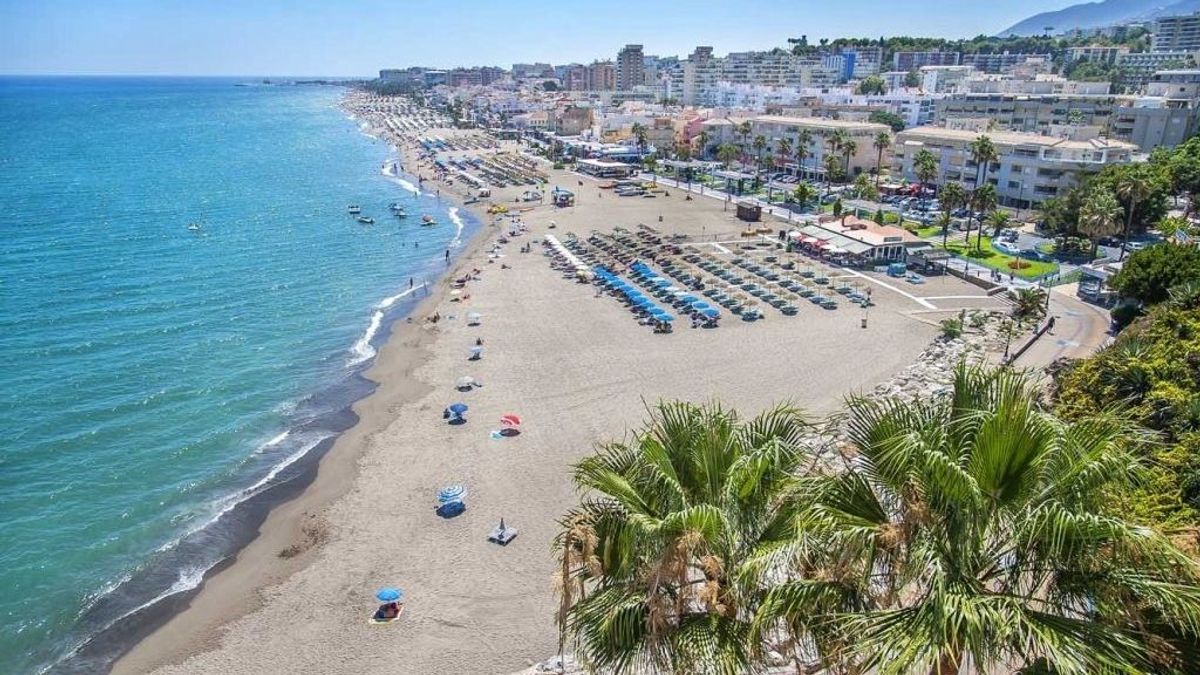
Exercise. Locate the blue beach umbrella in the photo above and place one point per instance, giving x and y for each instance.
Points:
(711, 313)
(453, 493)
(458, 408)
(389, 594)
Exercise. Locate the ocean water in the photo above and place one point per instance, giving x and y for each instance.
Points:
(158, 383)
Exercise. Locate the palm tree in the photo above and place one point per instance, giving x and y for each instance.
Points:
(726, 153)
(639, 135)
(975, 528)
(744, 130)
(835, 142)
(703, 137)
(1133, 186)
(998, 220)
(983, 201)
(760, 145)
(849, 147)
(883, 141)
(951, 197)
(803, 142)
(651, 164)
(783, 150)
(804, 193)
(865, 189)
(651, 575)
(1099, 217)
(983, 153)
(1029, 304)
(925, 166)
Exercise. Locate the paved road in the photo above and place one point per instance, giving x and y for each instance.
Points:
(1079, 330)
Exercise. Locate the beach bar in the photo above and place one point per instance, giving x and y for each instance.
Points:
(605, 169)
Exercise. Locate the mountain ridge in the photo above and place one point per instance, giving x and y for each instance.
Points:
(1098, 15)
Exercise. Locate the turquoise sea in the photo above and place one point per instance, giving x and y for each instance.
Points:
(160, 386)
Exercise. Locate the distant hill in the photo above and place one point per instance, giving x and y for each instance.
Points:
(1099, 14)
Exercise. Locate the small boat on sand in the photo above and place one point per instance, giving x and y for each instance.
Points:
(354, 209)
(366, 220)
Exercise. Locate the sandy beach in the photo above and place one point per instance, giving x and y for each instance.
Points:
(578, 370)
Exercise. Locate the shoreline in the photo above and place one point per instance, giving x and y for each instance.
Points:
(290, 510)
(577, 370)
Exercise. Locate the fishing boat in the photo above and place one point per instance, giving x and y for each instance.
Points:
(366, 220)
(395, 206)
(194, 227)
(354, 209)
(428, 221)
(400, 214)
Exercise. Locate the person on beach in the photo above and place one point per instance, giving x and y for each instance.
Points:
(410, 282)
(447, 255)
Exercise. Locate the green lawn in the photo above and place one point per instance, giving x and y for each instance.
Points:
(991, 258)
(924, 231)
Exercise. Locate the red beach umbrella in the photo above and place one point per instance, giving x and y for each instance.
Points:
(510, 420)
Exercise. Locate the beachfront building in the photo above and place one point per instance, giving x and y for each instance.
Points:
(1145, 121)
(1176, 33)
(1031, 168)
(858, 241)
(776, 127)
(601, 168)
(631, 68)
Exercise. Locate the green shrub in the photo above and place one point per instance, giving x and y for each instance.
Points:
(952, 327)
(1123, 315)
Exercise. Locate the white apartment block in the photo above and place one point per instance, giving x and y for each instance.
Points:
(1042, 85)
(1176, 33)
(1138, 68)
(1147, 122)
(945, 79)
(1031, 168)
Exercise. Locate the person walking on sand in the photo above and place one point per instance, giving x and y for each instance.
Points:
(447, 255)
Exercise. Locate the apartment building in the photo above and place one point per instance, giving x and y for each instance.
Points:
(1031, 168)
(997, 63)
(601, 76)
(1178, 85)
(1176, 33)
(1041, 85)
(1138, 68)
(1094, 54)
(907, 61)
(945, 79)
(631, 68)
(700, 75)
(776, 127)
(1147, 122)
(868, 61)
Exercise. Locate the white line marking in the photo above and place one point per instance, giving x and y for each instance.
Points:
(920, 301)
